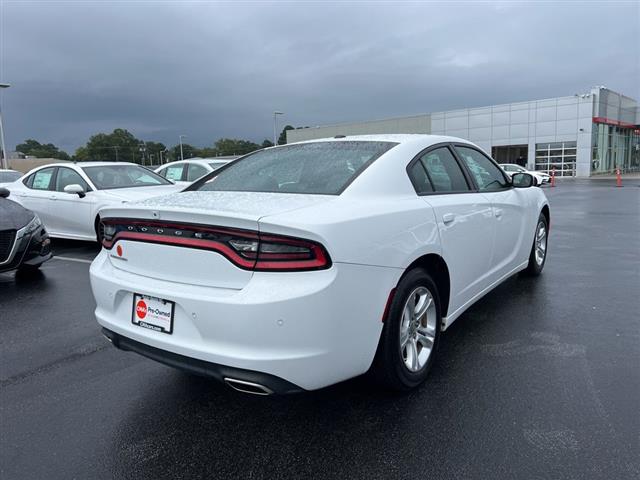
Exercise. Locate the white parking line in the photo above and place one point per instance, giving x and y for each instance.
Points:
(71, 259)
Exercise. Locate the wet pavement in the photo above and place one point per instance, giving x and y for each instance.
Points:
(540, 379)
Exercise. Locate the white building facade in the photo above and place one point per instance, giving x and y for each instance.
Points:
(575, 136)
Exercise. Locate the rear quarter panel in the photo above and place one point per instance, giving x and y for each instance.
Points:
(376, 231)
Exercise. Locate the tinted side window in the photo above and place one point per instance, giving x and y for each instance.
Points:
(195, 171)
(418, 176)
(486, 174)
(41, 179)
(443, 171)
(66, 176)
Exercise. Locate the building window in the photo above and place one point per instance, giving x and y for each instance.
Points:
(614, 147)
(559, 157)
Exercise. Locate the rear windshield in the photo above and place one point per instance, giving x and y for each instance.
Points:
(324, 168)
(107, 177)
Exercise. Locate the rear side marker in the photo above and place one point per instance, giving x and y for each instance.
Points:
(387, 307)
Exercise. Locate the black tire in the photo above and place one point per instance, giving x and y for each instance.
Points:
(535, 267)
(389, 368)
(99, 231)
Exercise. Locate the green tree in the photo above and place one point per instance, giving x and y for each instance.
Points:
(153, 150)
(232, 146)
(282, 139)
(34, 148)
(267, 143)
(189, 151)
(117, 145)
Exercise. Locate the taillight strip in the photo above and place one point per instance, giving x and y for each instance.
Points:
(185, 242)
(260, 261)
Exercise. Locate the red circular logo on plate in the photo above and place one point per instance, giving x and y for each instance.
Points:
(141, 309)
(119, 250)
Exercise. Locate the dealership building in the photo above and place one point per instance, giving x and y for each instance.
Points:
(576, 136)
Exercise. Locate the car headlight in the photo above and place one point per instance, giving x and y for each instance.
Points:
(34, 224)
(31, 227)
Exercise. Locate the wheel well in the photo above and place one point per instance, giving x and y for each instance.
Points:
(547, 215)
(437, 268)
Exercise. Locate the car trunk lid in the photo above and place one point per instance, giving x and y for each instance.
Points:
(166, 237)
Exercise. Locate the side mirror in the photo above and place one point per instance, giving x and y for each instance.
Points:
(75, 189)
(522, 180)
(4, 193)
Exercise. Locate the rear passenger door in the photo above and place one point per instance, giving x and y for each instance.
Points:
(508, 206)
(465, 221)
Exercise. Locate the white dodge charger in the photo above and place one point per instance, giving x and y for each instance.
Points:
(300, 266)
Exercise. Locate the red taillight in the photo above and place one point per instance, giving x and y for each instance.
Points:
(247, 249)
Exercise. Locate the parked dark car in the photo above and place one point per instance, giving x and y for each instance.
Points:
(24, 242)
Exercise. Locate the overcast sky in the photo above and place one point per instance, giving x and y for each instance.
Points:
(210, 70)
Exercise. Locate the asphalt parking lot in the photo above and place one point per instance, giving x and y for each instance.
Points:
(540, 379)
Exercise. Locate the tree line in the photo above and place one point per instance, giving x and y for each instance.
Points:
(122, 145)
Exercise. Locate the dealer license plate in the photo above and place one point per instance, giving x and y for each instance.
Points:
(152, 313)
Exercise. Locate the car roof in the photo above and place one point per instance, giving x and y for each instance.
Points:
(85, 164)
(101, 164)
(9, 170)
(410, 139)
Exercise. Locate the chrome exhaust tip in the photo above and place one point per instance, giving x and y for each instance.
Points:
(247, 387)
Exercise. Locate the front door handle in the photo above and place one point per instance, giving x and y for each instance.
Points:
(497, 212)
(448, 218)
(53, 197)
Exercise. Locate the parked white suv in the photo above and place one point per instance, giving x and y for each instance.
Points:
(300, 266)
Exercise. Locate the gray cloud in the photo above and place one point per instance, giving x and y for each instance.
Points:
(209, 70)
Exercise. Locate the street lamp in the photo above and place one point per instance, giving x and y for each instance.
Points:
(143, 151)
(5, 159)
(180, 137)
(275, 116)
(160, 153)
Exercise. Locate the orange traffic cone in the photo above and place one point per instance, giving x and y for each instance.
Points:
(618, 178)
(553, 177)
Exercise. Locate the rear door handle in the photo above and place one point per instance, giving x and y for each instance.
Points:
(497, 212)
(448, 218)
(53, 197)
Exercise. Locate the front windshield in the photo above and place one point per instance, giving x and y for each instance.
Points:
(9, 176)
(123, 176)
(323, 168)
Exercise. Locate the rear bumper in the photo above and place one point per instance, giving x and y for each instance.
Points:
(309, 329)
(199, 367)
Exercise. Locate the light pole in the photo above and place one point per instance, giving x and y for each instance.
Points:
(5, 159)
(275, 116)
(180, 138)
(143, 151)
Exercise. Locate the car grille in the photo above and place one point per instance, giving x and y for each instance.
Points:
(6, 243)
